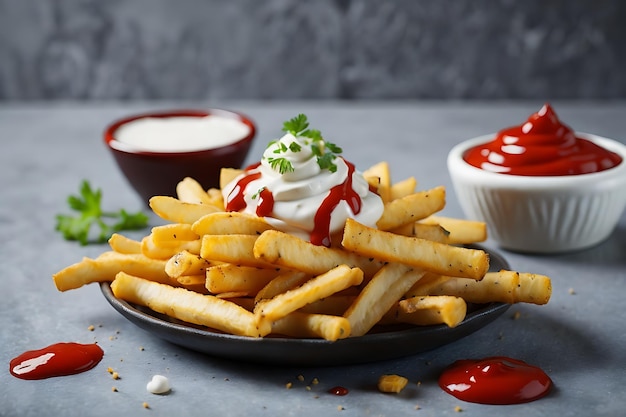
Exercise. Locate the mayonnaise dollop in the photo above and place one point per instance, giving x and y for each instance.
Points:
(307, 200)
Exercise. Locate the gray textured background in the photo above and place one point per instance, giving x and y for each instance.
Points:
(347, 49)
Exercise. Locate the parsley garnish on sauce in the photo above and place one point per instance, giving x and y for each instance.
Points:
(325, 152)
(88, 206)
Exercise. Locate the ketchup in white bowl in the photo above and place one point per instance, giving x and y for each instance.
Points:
(541, 146)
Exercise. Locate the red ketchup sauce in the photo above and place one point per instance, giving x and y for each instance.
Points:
(321, 231)
(340, 391)
(542, 146)
(59, 359)
(496, 380)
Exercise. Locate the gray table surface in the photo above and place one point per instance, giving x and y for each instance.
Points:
(579, 338)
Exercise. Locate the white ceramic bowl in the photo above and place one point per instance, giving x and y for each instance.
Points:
(542, 214)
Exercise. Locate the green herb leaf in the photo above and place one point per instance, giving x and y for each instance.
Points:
(282, 165)
(296, 125)
(88, 206)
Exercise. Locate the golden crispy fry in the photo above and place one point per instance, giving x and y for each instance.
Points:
(235, 249)
(379, 295)
(286, 250)
(188, 190)
(411, 208)
(321, 286)
(189, 306)
(230, 223)
(186, 263)
(379, 176)
(165, 250)
(421, 253)
(282, 283)
(227, 175)
(502, 286)
(106, 266)
(432, 232)
(403, 188)
(246, 280)
(392, 383)
(176, 211)
(122, 244)
(460, 231)
(306, 325)
(172, 233)
(428, 310)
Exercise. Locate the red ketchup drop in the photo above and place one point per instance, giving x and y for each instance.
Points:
(340, 391)
(59, 359)
(496, 380)
(541, 146)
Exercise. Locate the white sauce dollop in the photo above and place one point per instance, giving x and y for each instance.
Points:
(299, 194)
(179, 133)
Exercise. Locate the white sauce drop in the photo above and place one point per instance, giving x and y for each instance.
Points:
(179, 133)
(158, 385)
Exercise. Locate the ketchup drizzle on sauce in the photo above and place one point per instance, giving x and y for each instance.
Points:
(541, 146)
(497, 380)
(59, 359)
(342, 192)
(321, 231)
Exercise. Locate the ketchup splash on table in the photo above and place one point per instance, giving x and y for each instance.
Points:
(541, 146)
(59, 359)
(496, 380)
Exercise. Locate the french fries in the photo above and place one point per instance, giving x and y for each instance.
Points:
(236, 273)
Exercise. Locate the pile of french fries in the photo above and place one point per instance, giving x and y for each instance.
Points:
(235, 273)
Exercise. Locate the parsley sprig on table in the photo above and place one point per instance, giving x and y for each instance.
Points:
(324, 151)
(88, 205)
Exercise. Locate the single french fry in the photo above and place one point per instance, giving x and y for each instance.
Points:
(379, 295)
(227, 175)
(105, 267)
(306, 325)
(460, 231)
(411, 208)
(432, 232)
(235, 249)
(233, 278)
(188, 190)
(502, 286)
(172, 232)
(186, 263)
(403, 188)
(318, 287)
(189, 306)
(284, 282)
(165, 250)
(379, 176)
(392, 383)
(432, 256)
(122, 244)
(430, 310)
(230, 223)
(176, 211)
(290, 251)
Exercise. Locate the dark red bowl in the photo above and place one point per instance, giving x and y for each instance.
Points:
(158, 173)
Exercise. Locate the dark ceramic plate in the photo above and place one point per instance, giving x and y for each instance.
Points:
(372, 347)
